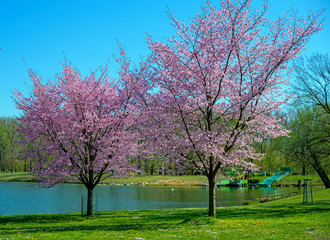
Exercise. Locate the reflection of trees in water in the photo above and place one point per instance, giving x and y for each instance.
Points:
(23, 198)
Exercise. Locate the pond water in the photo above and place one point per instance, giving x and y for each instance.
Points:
(26, 198)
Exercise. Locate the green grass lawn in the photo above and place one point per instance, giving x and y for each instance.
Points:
(293, 179)
(139, 179)
(280, 219)
(17, 177)
(162, 180)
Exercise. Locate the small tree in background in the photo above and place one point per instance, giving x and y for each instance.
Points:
(312, 81)
(217, 83)
(309, 142)
(4, 143)
(9, 144)
(81, 128)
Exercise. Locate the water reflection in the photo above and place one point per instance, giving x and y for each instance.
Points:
(25, 198)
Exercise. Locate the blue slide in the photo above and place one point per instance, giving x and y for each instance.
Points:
(276, 177)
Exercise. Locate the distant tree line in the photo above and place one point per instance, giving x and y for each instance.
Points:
(10, 147)
(14, 159)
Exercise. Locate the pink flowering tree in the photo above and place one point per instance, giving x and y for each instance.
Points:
(81, 127)
(218, 81)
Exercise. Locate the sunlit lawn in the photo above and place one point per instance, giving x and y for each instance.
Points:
(17, 176)
(281, 219)
(161, 179)
(293, 179)
(139, 179)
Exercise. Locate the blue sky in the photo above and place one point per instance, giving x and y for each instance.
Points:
(86, 31)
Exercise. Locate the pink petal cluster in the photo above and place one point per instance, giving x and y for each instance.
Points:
(81, 128)
(218, 83)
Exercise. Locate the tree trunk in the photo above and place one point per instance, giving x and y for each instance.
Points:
(90, 201)
(152, 169)
(12, 165)
(320, 171)
(0, 161)
(25, 164)
(212, 205)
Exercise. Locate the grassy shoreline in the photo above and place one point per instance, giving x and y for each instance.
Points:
(280, 219)
(161, 180)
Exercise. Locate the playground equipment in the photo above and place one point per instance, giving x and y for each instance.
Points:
(276, 177)
(238, 183)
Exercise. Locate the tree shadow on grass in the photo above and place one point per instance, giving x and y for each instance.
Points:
(105, 221)
(39, 218)
(148, 219)
(271, 211)
(108, 227)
